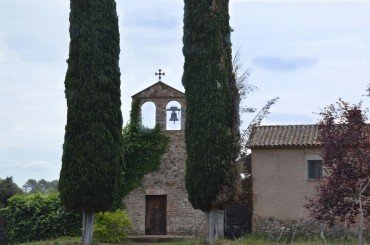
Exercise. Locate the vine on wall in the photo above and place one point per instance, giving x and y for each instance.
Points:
(142, 148)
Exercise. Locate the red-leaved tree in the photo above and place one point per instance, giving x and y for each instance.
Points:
(343, 195)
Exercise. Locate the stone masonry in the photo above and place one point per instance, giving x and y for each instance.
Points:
(169, 180)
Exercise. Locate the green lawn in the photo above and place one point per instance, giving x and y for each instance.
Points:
(248, 240)
(59, 241)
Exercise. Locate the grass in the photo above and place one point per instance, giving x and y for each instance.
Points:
(261, 240)
(58, 241)
(247, 240)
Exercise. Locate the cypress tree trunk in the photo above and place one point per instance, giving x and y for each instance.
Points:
(92, 150)
(87, 227)
(207, 77)
(215, 225)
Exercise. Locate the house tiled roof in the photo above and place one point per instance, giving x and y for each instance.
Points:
(284, 136)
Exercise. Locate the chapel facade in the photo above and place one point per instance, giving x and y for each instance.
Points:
(160, 205)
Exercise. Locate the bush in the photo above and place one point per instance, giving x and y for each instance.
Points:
(38, 217)
(111, 227)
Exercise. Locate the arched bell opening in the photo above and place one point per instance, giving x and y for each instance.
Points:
(148, 112)
(173, 116)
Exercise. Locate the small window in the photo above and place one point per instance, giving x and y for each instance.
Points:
(314, 169)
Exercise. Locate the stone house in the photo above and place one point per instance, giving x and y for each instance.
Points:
(160, 205)
(286, 167)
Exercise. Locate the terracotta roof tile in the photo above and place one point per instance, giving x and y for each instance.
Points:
(284, 136)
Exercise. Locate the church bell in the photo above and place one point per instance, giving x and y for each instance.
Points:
(174, 117)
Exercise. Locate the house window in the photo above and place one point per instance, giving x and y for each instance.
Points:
(314, 169)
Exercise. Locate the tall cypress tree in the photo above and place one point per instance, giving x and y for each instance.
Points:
(92, 151)
(207, 78)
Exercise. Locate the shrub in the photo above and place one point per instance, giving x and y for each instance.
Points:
(111, 227)
(38, 217)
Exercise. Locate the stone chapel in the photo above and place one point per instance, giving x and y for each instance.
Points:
(160, 205)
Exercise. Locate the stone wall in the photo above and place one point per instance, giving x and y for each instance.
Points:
(161, 94)
(277, 229)
(170, 178)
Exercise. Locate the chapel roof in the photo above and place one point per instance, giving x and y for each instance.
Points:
(159, 89)
(284, 136)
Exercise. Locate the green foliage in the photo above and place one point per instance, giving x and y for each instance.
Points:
(111, 227)
(92, 150)
(7, 189)
(143, 149)
(37, 217)
(41, 186)
(210, 129)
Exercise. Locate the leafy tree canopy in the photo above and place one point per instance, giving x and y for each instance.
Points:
(40, 186)
(7, 189)
(344, 191)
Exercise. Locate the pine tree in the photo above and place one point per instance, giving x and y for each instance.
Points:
(207, 78)
(92, 151)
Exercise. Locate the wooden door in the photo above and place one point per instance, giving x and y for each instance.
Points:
(156, 215)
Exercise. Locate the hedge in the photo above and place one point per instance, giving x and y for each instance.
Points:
(38, 217)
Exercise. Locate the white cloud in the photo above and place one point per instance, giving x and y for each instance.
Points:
(35, 165)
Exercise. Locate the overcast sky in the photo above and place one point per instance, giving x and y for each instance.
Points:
(309, 53)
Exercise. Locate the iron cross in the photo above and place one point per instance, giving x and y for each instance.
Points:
(159, 74)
